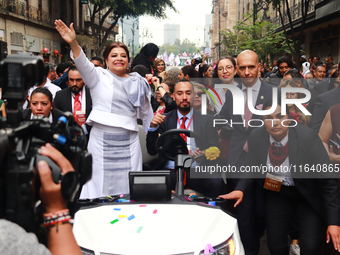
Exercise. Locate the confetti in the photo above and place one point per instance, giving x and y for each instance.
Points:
(211, 249)
(114, 221)
(139, 230)
(116, 209)
(206, 250)
(155, 211)
(121, 195)
(131, 217)
(122, 216)
(142, 205)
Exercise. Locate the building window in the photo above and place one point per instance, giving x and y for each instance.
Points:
(17, 39)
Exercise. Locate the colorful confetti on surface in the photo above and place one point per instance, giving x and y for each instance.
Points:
(139, 230)
(114, 221)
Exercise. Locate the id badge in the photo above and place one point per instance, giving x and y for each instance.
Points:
(273, 182)
(189, 148)
(80, 117)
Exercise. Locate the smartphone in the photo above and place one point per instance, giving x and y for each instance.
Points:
(336, 146)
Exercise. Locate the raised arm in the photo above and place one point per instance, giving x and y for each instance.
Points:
(69, 35)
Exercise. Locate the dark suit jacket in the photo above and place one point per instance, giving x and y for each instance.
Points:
(240, 133)
(26, 114)
(202, 124)
(305, 147)
(322, 87)
(323, 103)
(63, 102)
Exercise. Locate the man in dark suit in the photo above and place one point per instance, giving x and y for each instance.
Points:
(185, 117)
(76, 99)
(250, 214)
(292, 194)
(322, 104)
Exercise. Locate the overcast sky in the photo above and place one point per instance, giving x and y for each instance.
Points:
(191, 14)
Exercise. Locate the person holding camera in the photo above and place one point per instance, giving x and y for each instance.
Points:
(60, 238)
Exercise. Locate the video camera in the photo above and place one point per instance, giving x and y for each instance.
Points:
(198, 61)
(20, 141)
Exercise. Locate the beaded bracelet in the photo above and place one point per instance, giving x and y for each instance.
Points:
(56, 218)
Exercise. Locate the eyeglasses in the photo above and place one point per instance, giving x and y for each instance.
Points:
(228, 68)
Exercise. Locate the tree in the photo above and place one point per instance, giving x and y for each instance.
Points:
(294, 45)
(179, 47)
(116, 9)
(261, 37)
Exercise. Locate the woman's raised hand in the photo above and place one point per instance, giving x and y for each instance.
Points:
(68, 34)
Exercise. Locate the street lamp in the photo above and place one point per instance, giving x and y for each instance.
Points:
(122, 20)
(261, 5)
(133, 36)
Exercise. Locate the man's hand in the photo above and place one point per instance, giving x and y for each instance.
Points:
(332, 156)
(50, 193)
(333, 232)
(235, 195)
(198, 152)
(157, 119)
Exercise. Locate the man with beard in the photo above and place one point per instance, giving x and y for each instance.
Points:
(76, 99)
(184, 117)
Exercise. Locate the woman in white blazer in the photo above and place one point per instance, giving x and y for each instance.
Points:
(118, 100)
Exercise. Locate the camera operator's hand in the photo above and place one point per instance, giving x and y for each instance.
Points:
(60, 238)
(50, 193)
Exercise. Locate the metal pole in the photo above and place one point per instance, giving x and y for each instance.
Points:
(254, 12)
(133, 39)
(219, 29)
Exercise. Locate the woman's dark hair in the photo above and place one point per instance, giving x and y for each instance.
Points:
(149, 50)
(287, 60)
(115, 45)
(44, 91)
(189, 70)
(171, 86)
(141, 69)
(206, 67)
(232, 60)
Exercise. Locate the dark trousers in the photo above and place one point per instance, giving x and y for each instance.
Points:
(250, 214)
(251, 218)
(281, 209)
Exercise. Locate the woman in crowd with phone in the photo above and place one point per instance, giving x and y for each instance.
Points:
(118, 100)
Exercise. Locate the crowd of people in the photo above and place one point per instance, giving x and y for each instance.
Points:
(111, 98)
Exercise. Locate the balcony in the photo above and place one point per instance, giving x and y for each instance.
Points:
(31, 13)
(295, 12)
